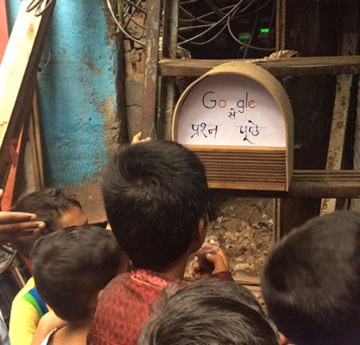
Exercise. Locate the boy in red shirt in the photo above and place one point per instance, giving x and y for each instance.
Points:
(156, 199)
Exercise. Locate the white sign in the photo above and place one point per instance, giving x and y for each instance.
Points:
(230, 110)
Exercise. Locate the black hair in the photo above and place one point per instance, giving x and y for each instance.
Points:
(155, 193)
(48, 205)
(311, 281)
(72, 265)
(210, 312)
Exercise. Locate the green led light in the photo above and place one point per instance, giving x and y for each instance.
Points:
(245, 37)
(265, 30)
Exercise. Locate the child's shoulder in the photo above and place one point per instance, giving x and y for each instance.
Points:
(30, 284)
(137, 280)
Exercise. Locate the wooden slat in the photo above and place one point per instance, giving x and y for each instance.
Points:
(153, 9)
(344, 83)
(18, 72)
(248, 168)
(313, 184)
(280, 24)
(281, 67)
(355, 204)
(305, 183)
(246, 165)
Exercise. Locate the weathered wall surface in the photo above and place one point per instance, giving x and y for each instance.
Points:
(77, 92)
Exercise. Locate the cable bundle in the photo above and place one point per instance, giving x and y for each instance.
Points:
(127, 11)
(224, 16)
(227, 15)
(40, 6)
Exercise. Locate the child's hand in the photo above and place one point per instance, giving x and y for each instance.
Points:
(137, 139)
(14, 225)
(216, 258)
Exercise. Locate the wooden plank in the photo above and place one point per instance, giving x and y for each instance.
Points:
(280, 67)
(18, 72)
(355, 204)
(151, 65)
(35, 146)
(311, 93)
(340, 117)
(314, 184)
(35, 163)
(36, 119)
(287, 217)
(168, 84)
(13, 179)
(246, 280)
(280, 24)
(4, 34)
(310, 183)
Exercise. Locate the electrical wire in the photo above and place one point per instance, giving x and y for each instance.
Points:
(207, 25)
(186, 28)
(40, 6)
(209, 40)
(206, 14)
(251, 35)
(235, 12)
(221, 9)
(136, 6)
(214, 25)
(130, 18)
(185, 2)
(214, 8)
(130, 15)
(193, 17)
(120, 27)
(257, 10)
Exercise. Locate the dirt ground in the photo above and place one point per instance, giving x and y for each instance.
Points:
(243, 228)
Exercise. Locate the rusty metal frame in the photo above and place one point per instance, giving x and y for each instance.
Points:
(153, 9)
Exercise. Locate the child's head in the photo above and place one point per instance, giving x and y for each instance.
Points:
(72, 266)
(210, 312)
(156, 200)
(53, 207)
(311, 281)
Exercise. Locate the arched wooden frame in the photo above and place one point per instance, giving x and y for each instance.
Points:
(231, 176)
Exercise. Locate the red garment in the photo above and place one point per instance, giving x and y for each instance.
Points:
(125, 306)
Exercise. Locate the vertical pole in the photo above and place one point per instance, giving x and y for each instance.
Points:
(280, 24)
(355, 203)
(168, 84)
(153, 8)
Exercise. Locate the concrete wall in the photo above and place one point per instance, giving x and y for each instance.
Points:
(77, 93)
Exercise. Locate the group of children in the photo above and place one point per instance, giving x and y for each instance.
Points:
(126, 287)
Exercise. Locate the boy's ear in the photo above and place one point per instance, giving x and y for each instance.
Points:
(198, 236)
(99, 294)
(283, 340)
(201, 230)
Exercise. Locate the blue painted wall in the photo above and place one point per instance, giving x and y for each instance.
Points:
(76, 91)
